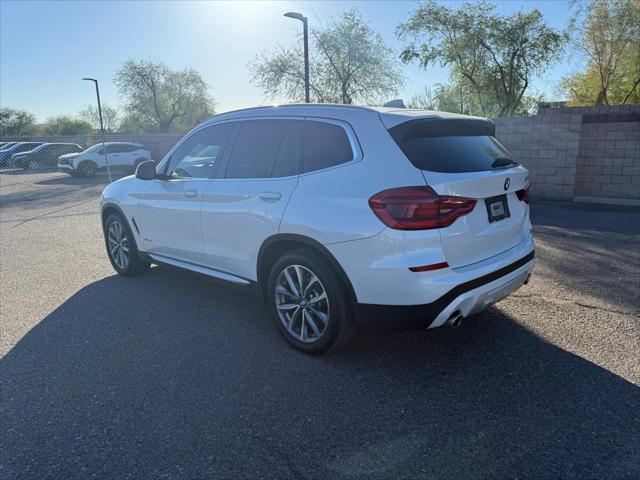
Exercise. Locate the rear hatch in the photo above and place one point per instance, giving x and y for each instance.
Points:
(459, 156)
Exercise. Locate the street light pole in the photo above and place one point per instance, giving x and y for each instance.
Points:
(104, 150)
(303, 19)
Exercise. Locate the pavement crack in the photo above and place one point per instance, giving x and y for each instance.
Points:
(574, 302)
(38, 217)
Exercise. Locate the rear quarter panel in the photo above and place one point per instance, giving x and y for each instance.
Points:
(332, 205)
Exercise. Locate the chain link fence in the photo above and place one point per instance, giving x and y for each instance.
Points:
(82, 156)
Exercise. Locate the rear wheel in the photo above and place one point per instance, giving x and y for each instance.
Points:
(309, 303)
(121, 247)
(32, 165)
(87, 169)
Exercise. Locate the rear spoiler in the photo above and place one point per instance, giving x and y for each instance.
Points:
(442, 127)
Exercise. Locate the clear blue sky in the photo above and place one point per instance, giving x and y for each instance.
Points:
(46, 47)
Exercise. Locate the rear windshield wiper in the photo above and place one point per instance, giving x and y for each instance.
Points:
(503, 162)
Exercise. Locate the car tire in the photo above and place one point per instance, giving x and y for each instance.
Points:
(87, 169)
(31, 165)
(319, 320)
(121, 247)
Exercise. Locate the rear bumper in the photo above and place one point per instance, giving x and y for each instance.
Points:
(467, 298)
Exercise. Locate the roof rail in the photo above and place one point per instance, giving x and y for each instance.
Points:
(287, 105)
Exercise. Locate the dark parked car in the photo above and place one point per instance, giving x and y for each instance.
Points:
(19, 147)
(44, 156)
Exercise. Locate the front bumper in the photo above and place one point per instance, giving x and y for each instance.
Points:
(64, 167)
(466, 299)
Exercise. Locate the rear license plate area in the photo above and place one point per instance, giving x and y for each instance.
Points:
(497, 208)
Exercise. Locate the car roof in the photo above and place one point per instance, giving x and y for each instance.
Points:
(390, 116)
(58, 143)
(120, 143)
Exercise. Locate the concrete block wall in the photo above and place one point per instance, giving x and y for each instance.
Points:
(578, 153)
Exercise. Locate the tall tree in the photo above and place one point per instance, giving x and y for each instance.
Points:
(494, 56)
(16, 122)
(66, 125)
(110, 117)
(160, 99)
(349, 63)
(454, 97)
(609, 39)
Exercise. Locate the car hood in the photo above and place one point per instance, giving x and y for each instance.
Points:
(69, 155)
(21, 154)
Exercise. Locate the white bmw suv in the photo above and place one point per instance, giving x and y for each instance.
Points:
(342, 216)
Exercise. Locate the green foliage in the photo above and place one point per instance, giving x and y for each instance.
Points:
(66, 125)
(349, 62)
(110, 117)
(159, 99)
(457, 97)
(493, 58)
(16, 122)
(609, 38)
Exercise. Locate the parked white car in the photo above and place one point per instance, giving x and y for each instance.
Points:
(343, 216)
(122, 156)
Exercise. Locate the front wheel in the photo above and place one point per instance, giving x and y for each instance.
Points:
(121, 247)
(87, 169)
(309, 303)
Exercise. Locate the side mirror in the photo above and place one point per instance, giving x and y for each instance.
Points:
(146, 170)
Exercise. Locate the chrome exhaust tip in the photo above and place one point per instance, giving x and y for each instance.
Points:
(455, 320)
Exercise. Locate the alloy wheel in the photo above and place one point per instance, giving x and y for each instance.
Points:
(302, 303)
(118, 244)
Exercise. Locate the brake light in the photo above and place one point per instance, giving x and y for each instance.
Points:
(523, 195)
(418, 208)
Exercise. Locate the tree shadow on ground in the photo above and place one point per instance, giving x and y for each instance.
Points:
(168, 375)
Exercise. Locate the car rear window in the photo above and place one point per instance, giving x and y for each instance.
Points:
(451, 146)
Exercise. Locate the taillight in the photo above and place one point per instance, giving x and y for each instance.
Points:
(523, 195)
(418, 208)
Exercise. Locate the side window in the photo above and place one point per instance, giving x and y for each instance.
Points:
(287, 159)
(199, 155)
(126, 148)
(256, 148)
(325, 145)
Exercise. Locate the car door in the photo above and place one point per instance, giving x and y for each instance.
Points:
(116, 155)
(244, 205)
(169, 206)
(129, 155)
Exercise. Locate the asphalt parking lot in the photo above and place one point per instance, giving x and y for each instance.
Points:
(172, 376)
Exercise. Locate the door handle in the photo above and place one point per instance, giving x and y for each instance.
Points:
(270, 196)
(191, 193)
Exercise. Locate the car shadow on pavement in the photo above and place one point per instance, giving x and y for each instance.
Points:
(169, 375)
(82, 181)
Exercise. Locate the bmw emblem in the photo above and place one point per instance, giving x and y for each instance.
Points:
(507, 182)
